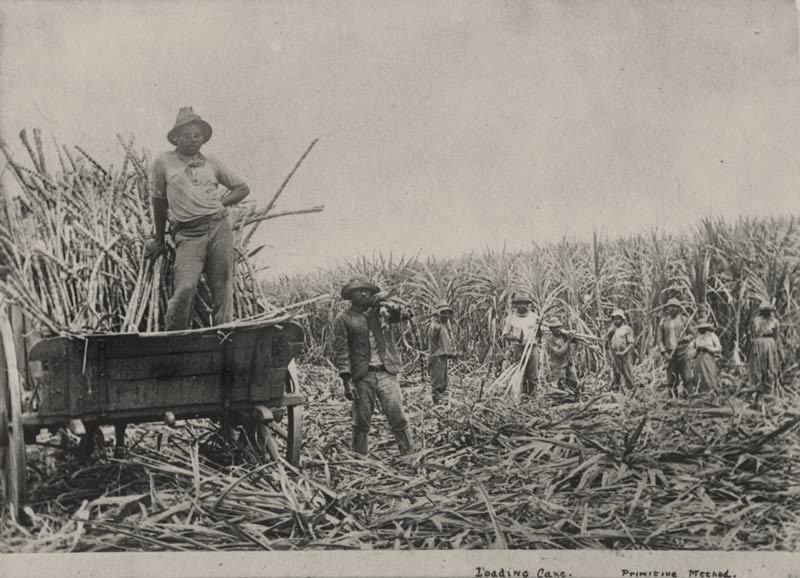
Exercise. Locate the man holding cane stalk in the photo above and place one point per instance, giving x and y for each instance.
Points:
(368, 362)
(673, 338)
(520, 328)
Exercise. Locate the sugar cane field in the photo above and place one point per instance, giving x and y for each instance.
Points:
(637, 468)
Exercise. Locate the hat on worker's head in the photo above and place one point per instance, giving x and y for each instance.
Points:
(186, 116)
(554, 322)
(520, 298)
(705, 324)
(442, 306)
(766, 306)
(674, 302)
(359, 282)
(618, 313)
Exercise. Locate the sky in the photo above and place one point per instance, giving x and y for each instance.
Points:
(444, 127)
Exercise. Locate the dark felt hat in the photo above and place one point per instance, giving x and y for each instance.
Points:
(187, 116)
(358, 282)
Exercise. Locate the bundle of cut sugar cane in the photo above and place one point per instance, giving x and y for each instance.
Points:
(509, 382)
(72, 245)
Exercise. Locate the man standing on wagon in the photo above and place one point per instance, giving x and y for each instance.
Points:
(186, 186)
(366, 357)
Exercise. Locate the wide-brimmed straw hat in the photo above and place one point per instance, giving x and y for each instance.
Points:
(705, 324)
(521, 298)
(674, 302)
(359, 282)
(441, 306)
(766, 306)
(618, 313)
(187, 116)
(554, 323)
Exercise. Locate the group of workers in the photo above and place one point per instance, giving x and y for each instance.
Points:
(186, 190)
(368, 362)
(690, 353)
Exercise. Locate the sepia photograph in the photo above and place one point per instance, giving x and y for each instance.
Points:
(474, 288)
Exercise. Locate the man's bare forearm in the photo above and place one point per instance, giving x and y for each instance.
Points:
(160, 218)
(235, 195)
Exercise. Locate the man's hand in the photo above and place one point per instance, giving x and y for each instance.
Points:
(623, 351)
(155, 248)
(349, 393)
(379, 297)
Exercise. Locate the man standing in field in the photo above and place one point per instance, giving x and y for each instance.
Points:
(186, 186)
(559, 352)
(673, 338)
(520, 328)
(440, 350)
(368, 362)
(619, 339)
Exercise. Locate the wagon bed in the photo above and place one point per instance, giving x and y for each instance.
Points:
(243, 375)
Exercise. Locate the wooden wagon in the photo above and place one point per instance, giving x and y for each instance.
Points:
(242, 376)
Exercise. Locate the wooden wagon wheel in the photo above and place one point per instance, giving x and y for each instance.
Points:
(293, 433)
(12, 440)
(284, 437)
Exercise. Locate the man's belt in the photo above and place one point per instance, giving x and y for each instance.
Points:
(179, 226)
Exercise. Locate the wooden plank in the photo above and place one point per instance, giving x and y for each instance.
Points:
(130, 395)
(172, 394)
(122, 346)
(166, 366)
(154, 413)
(153, 344)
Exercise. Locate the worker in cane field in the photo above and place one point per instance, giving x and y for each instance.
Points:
(368, 362)
(620, 340)
(522, 328)
(186, 187)
(764, 357)
(562, 365)
(673, 337)
(440, 350)
(704, 349)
